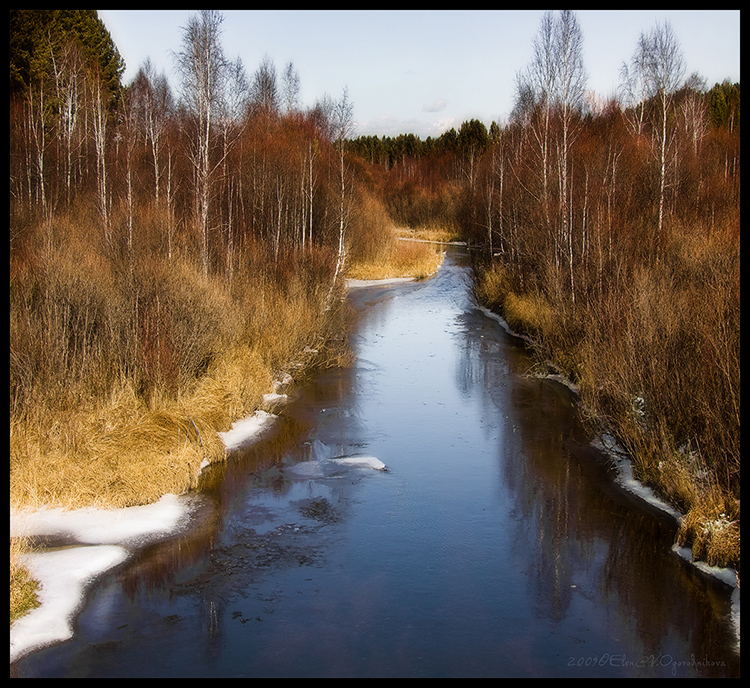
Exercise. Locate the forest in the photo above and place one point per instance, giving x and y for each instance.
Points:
(173, 253)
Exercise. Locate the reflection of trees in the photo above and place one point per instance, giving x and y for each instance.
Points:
(574, 525)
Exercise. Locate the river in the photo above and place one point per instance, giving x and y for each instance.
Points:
(495, 543)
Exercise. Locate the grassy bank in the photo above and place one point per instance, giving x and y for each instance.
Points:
(656, 360)
(390, 252)
(123, 371)
(123, 368)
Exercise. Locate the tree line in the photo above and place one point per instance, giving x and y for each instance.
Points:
(227, 157)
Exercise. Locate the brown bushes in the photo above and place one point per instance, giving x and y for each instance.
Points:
(658, 359)
(122, 370)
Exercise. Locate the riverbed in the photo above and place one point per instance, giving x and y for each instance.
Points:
(434, 510)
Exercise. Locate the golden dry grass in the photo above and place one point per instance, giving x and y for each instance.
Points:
(23, 588)
(399, 258)
(83, 436)
(436, 234)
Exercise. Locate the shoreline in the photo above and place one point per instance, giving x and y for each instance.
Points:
(609, 445)
(93, 542)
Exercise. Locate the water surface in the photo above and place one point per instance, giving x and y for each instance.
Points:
(496, 543)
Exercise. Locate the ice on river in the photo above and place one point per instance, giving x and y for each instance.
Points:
(333, 468)
(102, 539)
(324, 463)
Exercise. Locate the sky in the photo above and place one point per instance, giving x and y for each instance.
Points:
(423, 71)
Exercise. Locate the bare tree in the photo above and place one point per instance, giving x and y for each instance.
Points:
(663, 70)
(291, 88)
(633, 86)
(152, 104)
(264, 89)
(552, 87)
(202, 66)
(67, 73)
(343, 127)
(98, 100)
(694, 110)
(535, 91)
(233, 106)
(570, 85)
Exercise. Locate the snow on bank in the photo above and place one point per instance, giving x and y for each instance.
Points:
(354, 283)
(64, 576)
(103, 539)
(248, 429)
(127, 527)
(100, 540)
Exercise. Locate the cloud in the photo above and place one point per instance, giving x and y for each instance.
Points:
(437, 106)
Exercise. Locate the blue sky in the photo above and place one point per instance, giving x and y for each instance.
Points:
(424, 71)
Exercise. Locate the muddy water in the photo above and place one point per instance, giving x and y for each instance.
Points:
(495, 543)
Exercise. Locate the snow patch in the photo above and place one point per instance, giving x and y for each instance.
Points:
(64, 576)
(247, 430)
(105, 538)
(132, 525)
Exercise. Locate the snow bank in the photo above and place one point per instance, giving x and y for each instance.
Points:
(246, 430)
(103, 539)
(130, 526)
(64, 574)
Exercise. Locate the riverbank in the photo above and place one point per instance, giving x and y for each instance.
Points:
(608, 443)
(84, 544)
(655, 362)
(100, 539)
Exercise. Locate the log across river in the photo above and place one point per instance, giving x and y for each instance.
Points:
(432, 510)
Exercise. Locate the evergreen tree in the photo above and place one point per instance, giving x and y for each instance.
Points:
(34, 34)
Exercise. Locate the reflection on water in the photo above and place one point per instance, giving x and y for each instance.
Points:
(496, 543)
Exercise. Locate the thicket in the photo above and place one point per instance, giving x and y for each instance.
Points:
(609, 234)
(171, 255)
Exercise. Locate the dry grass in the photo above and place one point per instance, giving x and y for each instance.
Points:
(23, 588)
(657, 359)
(399, 258)
(437, 234)
(121, 373)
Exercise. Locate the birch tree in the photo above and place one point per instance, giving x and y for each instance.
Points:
(67, 75)
(201, 65)
(343, 127)
(663, 67)
(290, 88)
(98, 98)
(152, 103)
(569, 90)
